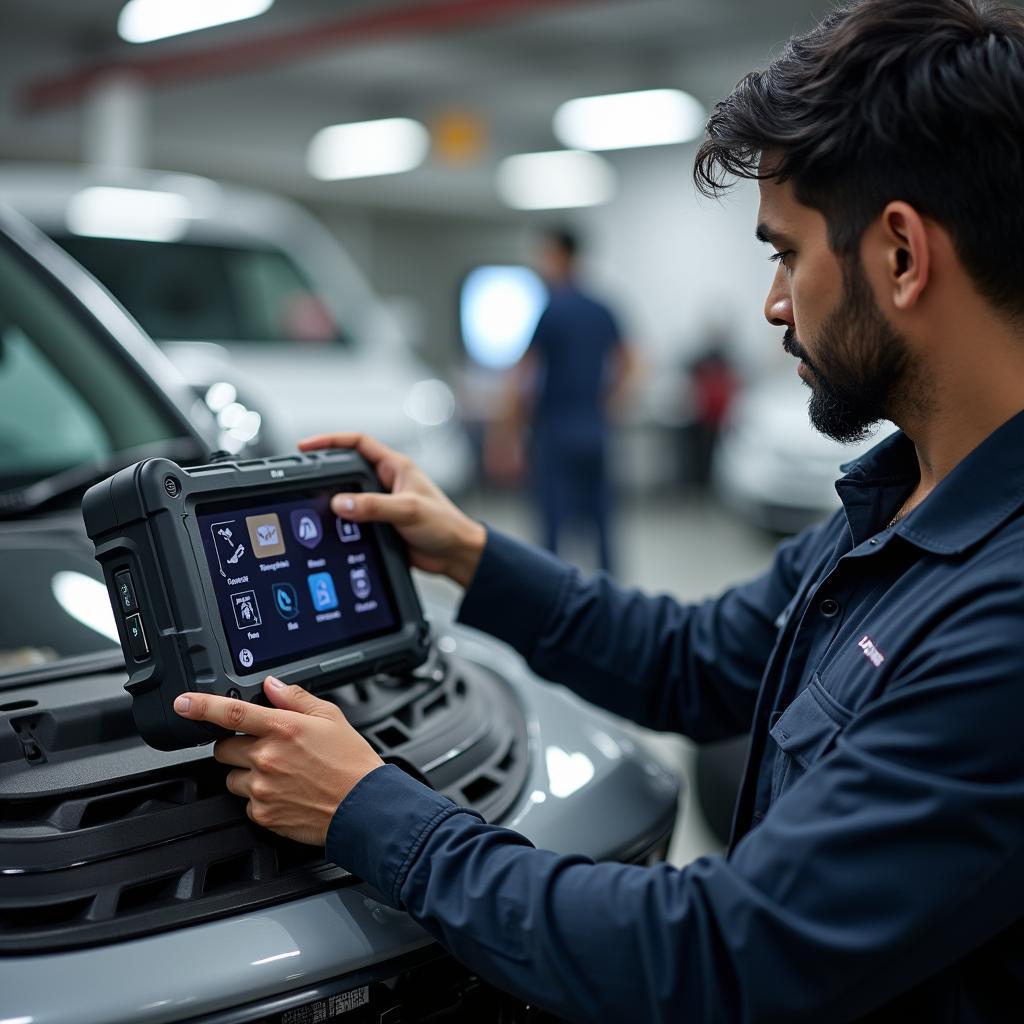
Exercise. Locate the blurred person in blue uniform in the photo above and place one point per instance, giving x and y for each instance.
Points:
(565, 393)
(875, 871)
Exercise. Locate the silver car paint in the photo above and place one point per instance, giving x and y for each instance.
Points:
(200, 969)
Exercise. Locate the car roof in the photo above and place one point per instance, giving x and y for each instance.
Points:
(220, 211)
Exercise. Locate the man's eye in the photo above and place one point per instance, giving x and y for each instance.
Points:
(781, 257)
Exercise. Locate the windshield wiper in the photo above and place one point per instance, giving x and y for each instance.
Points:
(63, 668)
(40, 493)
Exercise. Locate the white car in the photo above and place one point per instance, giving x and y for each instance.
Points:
(771, 466)
(257, 304)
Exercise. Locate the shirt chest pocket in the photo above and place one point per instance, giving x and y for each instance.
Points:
(804, 733)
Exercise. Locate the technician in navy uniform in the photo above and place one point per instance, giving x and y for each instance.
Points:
(564, 392)
(876, 868)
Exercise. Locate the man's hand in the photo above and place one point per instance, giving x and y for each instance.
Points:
(296, 764)
(441, 538)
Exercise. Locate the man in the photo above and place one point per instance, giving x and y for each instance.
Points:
(876, 870)
(578, 369)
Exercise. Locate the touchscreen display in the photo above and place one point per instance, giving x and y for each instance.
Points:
(292, 579)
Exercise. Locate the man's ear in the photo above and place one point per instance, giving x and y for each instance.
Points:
(908, 255)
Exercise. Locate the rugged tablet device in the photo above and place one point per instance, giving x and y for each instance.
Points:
(219, 574)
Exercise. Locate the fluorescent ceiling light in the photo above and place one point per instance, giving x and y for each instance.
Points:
(555, 181)
(656, 117)
(141, 214)
(142, 21)
(367, 148)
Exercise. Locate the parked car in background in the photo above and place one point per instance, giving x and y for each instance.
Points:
(132, 884)
(257, 304)
(771, 466)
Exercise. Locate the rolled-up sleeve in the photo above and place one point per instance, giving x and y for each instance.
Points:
(694, 669)
(896, 854)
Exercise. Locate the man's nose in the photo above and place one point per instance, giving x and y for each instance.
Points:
(778, 307)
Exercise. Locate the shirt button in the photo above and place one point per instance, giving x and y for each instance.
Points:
(829, 608)
(874, 540)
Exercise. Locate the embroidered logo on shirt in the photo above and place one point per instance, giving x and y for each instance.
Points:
(871, 652)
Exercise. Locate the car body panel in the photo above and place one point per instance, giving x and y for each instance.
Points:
(330, 390)
(625, 792)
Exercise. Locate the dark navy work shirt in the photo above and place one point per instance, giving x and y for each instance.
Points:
(876, 870)
(574, 340)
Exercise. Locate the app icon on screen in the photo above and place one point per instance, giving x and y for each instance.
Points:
(247, 611)
(348, 532)
(227, 540)
(265, 534)
(286, 601)
(321, 590)
(360, 580)
(306, 527)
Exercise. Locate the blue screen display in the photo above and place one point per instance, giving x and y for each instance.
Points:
(292, 579)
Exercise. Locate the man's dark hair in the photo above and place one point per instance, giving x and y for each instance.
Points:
(566, 241)
(914, 100)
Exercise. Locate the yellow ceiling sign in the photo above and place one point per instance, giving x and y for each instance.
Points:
(458, 136)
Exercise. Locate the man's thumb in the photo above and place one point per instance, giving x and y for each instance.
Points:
(374, 506)
(290, 698)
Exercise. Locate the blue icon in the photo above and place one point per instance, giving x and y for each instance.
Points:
(306, 527)
(286, 601)
(321, 589)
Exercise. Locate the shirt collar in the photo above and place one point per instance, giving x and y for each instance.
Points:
(978, 494)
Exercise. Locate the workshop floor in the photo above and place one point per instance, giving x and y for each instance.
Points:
(686, 546)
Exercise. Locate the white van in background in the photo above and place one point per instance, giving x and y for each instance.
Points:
(258, 305)
(771, 467)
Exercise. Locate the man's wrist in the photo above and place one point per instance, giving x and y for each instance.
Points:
(380, 825)
(469, 550)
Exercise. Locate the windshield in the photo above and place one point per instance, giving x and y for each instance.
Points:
(65, 397)
(68, 404)
(190, 291)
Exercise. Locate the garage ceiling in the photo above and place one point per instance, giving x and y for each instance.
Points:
(216, 109)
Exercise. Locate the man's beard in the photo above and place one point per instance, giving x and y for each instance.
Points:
(862, 364)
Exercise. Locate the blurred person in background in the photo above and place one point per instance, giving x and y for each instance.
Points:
(876, 866)
(713, 381)
(561, 402)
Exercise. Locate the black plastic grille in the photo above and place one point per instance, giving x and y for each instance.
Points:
(102, 838)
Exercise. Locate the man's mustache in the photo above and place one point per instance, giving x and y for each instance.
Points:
(793, 347)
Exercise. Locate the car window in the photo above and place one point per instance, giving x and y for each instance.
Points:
(189, 291)
(65, 397)
(45, 425)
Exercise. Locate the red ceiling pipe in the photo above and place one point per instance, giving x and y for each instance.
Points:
(252, 54)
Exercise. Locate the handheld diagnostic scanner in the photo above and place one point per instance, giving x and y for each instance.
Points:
(220, 574)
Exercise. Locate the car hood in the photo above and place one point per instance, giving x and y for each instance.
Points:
(303, 390)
